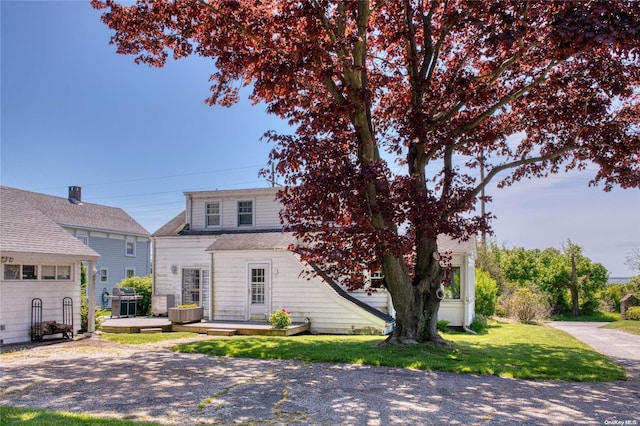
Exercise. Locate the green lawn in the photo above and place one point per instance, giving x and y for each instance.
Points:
(508, 350)
(139, 338)
(14, 416)
(628, 326)
(594, 317)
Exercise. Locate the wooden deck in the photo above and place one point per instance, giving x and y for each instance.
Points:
(219, 328)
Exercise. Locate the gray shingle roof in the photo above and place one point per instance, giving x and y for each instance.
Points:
(24, 229)
(172, 227)
(283, 240)
(85, 215)
(253, 241)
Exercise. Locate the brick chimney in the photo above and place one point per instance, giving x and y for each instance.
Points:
(75, 194)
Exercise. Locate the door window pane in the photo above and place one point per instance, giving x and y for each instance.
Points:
(258, 286)
(191, 286)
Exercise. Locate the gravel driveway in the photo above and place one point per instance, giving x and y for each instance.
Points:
(154, 384)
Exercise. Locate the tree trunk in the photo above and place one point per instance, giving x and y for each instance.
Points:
(431, 308)
(416, 306)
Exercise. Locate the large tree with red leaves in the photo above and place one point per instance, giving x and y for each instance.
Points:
(441, 89)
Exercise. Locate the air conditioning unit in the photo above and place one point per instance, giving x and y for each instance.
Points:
(161, 303)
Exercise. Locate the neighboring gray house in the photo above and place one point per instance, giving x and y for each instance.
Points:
(39, 260)
(123, 244)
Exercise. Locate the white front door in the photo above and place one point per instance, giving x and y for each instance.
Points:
(259, 291)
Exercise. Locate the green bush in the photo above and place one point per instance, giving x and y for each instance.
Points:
(143, 286)
(479, 324)
(525, 305)
(610, 295)
(442, 326)
(633, 313)
(280, 319)
(486, 291)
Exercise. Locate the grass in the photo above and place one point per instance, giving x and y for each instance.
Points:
(628, 326)
(507, 350)
(594, 317)
(14, 416)
(140, 338)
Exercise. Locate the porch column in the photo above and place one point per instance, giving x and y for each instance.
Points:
(91, 295)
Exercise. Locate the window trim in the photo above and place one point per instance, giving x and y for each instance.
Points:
(207, 215)
(39, 274)
(126, 247)
(448, 293)
(126, 272)
(253, 213)
(104, 275)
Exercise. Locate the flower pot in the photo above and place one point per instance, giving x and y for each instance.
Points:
(186, 315)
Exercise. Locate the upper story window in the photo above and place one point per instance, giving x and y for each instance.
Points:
(377, 280)
(130, 248)
(212, 214)
(245, 213)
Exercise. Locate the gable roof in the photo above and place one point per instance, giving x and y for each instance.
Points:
(173, 227)
(25, 230)
(84, 215)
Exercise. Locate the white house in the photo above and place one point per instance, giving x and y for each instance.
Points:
(40, 260)
(228, 253)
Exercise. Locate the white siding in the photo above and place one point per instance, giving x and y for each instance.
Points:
(172, 255)
(16, 296)
(380, 299)
(304, 297)
(265, 209)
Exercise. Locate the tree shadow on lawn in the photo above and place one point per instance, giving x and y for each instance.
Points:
(537, 361)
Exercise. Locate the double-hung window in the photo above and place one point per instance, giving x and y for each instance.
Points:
(212, 214)
(245, 213)
(130, 248)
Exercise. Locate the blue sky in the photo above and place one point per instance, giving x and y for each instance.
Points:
(75, 113)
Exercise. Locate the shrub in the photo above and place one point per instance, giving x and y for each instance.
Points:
(142, 285)
(525, 305)
(486, 290)
(442, 325)
(187, 306)
(280, 319)
(479, 324)
(610, 295)
(633, 313)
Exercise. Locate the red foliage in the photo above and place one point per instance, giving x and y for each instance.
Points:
(436, 88)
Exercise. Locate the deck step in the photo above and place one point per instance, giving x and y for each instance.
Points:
(221, 332)
(151, 330)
